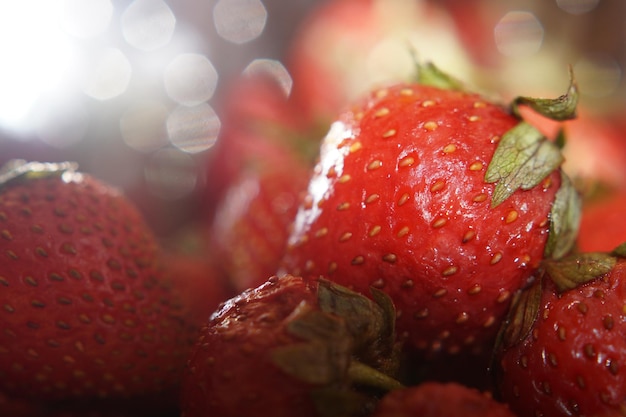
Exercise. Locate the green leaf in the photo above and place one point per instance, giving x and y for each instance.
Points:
(310, 362)
(523, 158)
(429, 74)
(560, 108)
(365, 320)
(19, 168)
(522, 315)
(564, 220)
(620, 251)
(574, 270)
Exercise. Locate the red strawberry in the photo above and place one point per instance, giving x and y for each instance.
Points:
(292, 347)
(603, 224)
(252, 223)
(564, 349)
(84, 310)
(411, 197)
(199, 282)
(259, 128)
(432, 399)
(344, 47)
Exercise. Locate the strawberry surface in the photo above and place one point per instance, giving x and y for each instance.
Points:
(433, 399)
(569, 360)
(252, 223)
(291, 346)
(400, 201)
(85, 312)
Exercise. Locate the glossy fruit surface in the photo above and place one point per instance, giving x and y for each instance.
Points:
(400, 201)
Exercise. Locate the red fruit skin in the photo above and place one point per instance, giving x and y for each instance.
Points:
(572, 360)
(433, 399)
(603, 224)
(200, 285)
(84, 310)
(258, 128)
(229, 372)
(398, 202)
(252, 224)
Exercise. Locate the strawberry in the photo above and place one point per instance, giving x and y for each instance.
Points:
(602, 224)
(563, 350)
(252, 223)
(85, 312)
(418, 192)
(259, 128)
(292, 347)
(344, 47)
(433, 399)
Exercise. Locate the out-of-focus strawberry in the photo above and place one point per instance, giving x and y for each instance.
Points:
(433, 399)
(292, 347)
(603, 223)
(85, 310)
(250, 231)
(344, 48)
(259, 128)
(441, 198)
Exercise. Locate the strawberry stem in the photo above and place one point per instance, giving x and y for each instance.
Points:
(363, 375)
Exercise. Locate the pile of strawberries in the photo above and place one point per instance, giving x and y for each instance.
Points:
(425, 250)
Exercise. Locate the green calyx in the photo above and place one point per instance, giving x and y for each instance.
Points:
(565, 216)
(567, 274)
(17, 169)
(348, 350)
(524, 156)
(560, 108)
(429, 74)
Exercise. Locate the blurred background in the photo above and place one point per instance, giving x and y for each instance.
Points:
(132, 89)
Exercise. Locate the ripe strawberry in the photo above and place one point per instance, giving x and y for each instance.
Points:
(199, 282)
(252, 223)
(563, 350)
(84, 310)
(419, 192)
(344, 47)
(432, 399)
(292, 347)
(259, 128)
(602, 224)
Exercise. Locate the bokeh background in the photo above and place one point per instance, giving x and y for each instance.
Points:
(132, 89)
